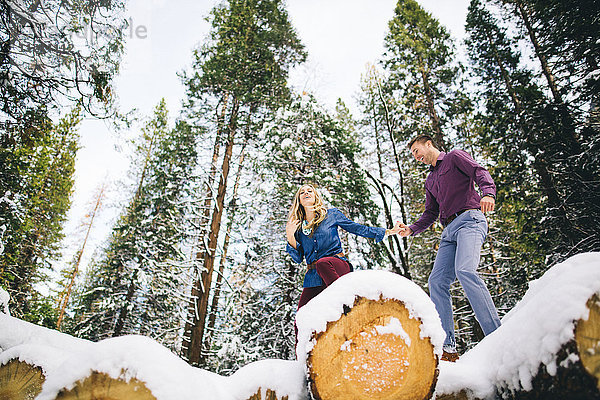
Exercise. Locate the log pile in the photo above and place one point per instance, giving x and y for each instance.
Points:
(548, 346)
(370, 335)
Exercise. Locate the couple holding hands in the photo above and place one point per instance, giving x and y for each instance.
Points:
(312, 235)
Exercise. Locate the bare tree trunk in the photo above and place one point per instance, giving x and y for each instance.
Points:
(64, 297)
(192, 313)
(197, 332)
(230, 218)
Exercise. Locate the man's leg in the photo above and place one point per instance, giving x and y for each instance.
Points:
(440, 279)
(469, 239)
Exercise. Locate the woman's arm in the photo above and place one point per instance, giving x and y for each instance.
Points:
(353, 227)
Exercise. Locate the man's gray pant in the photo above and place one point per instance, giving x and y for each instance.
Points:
(458, 257)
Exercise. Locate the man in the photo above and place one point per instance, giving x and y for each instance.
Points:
(451, 195)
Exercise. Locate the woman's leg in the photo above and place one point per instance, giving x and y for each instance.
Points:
(308, 293)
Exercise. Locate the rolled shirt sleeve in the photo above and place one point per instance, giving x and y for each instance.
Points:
(296, 254)
(361, 230)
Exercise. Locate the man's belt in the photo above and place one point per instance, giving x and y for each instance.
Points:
(453, 217)
(313, 264)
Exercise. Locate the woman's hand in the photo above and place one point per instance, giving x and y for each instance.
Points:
(290, 229)
(398, 227)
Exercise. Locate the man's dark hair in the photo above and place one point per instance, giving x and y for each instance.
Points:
(423, 139)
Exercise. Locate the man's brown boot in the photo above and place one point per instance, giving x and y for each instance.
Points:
(452, 357)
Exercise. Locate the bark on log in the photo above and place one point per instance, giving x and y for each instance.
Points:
(270, 395)
(356, 359)
(20, 381)
(100, 386)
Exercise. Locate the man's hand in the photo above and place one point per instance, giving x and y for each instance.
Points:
(487, 203)
(405, 230)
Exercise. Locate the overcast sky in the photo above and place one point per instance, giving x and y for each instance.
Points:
(340, 36)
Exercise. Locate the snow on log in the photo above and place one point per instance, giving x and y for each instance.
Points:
(269, 379)
(14, 332)
(130, 367)
(29, 354)
(548, 346)
(370, 335)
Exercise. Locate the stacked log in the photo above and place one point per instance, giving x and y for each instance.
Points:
(270, 380)
(20, 380)
(548, 346)
(352, 359)
(100, 386)
(374, 347)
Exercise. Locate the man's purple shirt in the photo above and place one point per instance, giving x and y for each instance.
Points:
(449, 188)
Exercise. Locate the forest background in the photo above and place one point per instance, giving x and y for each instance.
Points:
(195, 258)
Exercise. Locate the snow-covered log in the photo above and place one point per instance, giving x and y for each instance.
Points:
(370, 335)
(548, 346)
(130, 366)
(269, 379)
(28, 353)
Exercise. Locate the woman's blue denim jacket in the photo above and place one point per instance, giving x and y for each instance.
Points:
(325, 242)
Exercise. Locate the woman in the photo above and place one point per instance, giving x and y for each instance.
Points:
(312, 234)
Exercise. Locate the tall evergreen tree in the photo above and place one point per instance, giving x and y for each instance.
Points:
(243, 68)
(135, 286)
(302, 143)
(421, 61)
(36, 181)
(555, 134)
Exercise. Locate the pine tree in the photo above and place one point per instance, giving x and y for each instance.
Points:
(36, 181)
(71, 273)
(135, 287)
(421, 62)
(52, 52)
(555, 133)
(302, 143)
(244, 68)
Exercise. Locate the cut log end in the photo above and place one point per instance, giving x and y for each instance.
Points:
(20, 381)
(587, 337)
(99, 386)
(375, 351)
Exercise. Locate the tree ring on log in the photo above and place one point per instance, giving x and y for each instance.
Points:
(20, 380)
(100, 386)
(587, 337)
(375, 351)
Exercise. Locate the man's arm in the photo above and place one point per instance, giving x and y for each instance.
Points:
(481, 176)
(432, 210)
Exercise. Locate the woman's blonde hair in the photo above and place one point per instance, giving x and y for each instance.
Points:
(297, 209)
